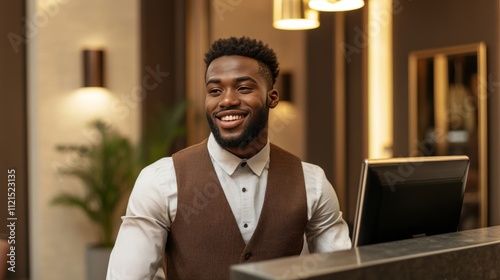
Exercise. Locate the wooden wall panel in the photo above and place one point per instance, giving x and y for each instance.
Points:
(13, 134)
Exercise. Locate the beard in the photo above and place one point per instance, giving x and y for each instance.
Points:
(250, 132)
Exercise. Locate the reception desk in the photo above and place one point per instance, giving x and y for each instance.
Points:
(472, 254)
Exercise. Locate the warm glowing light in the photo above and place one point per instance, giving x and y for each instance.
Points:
(91, 96)
(380, 91)
(285, 123)
(336, 5)
(294, 15)
(88, 102)
(295, 24)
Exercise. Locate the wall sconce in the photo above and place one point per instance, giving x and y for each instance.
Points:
(93, 68)
(294, 15)
(284, 86)
(335, 5)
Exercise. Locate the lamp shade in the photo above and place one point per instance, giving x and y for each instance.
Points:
(294, 15)
(335, 5)
(93, 68)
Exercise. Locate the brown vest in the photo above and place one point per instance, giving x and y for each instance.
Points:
(204, 239)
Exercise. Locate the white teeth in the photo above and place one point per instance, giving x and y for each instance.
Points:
(232, 118)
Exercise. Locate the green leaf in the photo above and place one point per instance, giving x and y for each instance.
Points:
(108, 165)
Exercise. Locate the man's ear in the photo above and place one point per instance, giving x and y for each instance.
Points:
(273, 98)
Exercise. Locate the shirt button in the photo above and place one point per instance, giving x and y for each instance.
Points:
(245, 225)
(243, 164)
(248, 255)
(244, 189)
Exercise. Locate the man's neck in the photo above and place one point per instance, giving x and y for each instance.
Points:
(249, 150)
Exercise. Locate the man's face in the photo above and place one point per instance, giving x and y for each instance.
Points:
(237, 101)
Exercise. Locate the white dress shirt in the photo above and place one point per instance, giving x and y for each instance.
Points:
(153, 206)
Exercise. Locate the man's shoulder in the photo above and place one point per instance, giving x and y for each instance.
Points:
(275, 148)
(312, 168)
(161, 165)
(191, 149)
(305, 165)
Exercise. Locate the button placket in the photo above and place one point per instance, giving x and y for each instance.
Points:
(246, 199)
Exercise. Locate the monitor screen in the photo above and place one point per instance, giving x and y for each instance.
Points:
(402, 198)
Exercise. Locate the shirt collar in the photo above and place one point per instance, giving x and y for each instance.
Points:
(229, 162)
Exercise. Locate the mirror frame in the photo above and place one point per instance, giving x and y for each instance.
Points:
(481, 107)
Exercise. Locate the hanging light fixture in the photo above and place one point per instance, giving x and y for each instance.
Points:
(335, 5)
(93, 68)
(294, 15)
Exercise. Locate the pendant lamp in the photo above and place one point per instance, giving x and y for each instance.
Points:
(294, 15)
(335, 5)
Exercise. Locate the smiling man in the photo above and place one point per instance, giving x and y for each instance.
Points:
(235, 197)
(239, 95)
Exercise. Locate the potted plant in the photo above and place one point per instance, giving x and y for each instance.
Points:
(107, 167)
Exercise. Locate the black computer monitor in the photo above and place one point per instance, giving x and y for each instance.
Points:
(403, 198)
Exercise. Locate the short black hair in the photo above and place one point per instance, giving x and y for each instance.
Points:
(244, 46)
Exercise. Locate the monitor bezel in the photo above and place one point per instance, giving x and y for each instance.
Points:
(368, 163)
